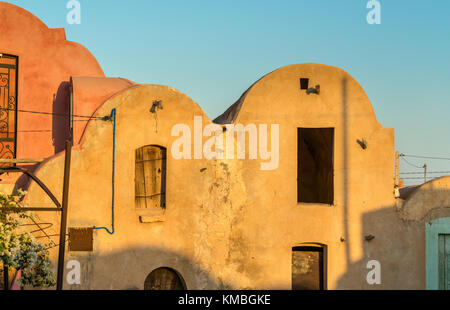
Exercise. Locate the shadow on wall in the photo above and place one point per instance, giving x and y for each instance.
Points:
(23, 182)
(60, 130)
(346, 195)
(61, 121)
(398, 243)
(129, 269)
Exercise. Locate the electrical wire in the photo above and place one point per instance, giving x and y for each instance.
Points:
(55, 114)
(418, 178)
(403, 158)
(27, 131)
(431, 172)
(111, 232)
(425, 157)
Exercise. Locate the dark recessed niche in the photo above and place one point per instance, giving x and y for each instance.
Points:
(304, 83)
(316, 165)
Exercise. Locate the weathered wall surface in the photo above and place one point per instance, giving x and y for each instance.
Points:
(403, 233)
(363, 178)
(234, 225)
(430, 198)
(195, 234)
(228, 224)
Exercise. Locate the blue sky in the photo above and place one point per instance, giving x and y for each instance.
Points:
(213, 50)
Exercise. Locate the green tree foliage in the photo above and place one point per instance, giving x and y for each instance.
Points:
(18, 248)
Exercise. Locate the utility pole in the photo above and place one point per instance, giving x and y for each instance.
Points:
(397, 172)
(425, 172)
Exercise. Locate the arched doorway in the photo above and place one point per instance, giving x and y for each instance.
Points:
(165, 279)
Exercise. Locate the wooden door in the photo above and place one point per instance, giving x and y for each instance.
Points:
(164, 279)
(444, 262)
(8, 106)
(308, 268)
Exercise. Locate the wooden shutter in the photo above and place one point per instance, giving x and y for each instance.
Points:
(150, 182)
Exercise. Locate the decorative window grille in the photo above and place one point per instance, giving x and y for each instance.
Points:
(8, 106)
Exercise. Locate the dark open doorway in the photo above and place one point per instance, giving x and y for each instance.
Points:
(309, 268)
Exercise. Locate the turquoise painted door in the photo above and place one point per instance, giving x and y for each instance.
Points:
(444, 262)
(438, 254)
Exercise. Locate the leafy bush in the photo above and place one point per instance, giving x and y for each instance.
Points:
(18, 248)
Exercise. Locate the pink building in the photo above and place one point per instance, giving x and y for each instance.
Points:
(46, 84)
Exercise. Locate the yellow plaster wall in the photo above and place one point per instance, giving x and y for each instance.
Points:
(234, 225)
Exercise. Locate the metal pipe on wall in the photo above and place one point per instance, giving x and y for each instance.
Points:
(63, 229)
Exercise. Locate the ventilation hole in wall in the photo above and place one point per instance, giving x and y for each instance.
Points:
(304, 83)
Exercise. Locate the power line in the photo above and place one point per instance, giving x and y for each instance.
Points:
(57, 114)
(403, 158)
(425, 157)
(418, 178)
(421, 172)
(43, 130)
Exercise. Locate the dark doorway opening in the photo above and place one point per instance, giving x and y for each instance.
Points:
(315, 181)
(165, 279)
(309, 268)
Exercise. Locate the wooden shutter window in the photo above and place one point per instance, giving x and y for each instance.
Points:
(150, 182)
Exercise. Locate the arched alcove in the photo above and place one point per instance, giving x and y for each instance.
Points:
(165, 279)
